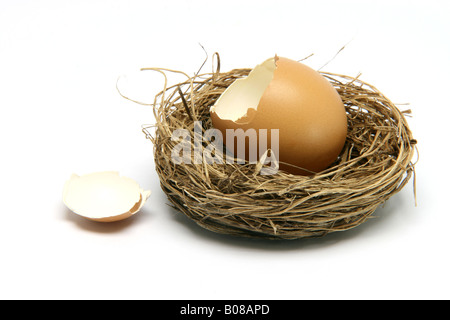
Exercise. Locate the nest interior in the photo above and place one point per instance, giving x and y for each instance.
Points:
(235, 199)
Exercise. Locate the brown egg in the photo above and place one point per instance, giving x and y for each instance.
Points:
(289, 96)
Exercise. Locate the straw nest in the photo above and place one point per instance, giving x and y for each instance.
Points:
(235, 199)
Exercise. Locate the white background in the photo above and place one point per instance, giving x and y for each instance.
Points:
(61, 114)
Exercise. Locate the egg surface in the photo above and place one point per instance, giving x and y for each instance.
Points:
(289, 96)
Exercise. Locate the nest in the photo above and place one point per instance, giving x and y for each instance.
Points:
(235, 199)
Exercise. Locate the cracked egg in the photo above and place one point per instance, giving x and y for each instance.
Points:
(297, 100)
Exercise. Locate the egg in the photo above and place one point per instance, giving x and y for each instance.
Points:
(293, 98)
(104, 196)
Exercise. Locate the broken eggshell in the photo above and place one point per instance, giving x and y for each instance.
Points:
(104, 196)
(288, 96)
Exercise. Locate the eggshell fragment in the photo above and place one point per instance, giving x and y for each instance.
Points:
(104, 196)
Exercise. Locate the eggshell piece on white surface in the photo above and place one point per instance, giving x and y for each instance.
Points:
(104, 196)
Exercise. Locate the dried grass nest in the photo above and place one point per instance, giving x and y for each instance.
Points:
(375, 163)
